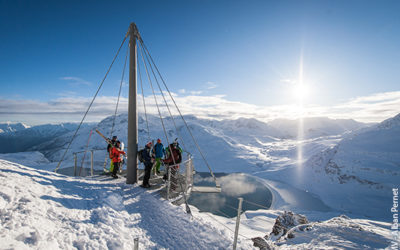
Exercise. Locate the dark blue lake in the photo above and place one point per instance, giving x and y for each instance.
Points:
(233, 186)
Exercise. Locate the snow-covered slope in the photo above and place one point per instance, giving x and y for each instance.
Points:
(359, 173)
(25, 138)
(33, 159)
(44, 210)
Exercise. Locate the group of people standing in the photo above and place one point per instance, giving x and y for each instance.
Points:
(151, 156)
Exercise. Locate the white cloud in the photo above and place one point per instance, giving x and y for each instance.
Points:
(75, 80)
(211, 85)
(196, 92)
(182, 91)
(372, 108)
(67, 94)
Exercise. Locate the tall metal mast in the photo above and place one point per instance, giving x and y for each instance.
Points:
(132, 163)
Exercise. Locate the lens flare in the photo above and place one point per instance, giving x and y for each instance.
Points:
(301, 91)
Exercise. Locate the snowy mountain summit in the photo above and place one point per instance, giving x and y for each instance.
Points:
(10, 127)
(359, 173)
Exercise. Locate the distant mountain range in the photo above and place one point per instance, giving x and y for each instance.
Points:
(315, 127)
(347, 164)
(359, 172)
(227, 143)
(19, 137)
(10, 127)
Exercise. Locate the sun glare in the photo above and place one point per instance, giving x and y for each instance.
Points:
(300, 91)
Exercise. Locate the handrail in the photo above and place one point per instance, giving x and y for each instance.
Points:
(79, 152)
(183, 162)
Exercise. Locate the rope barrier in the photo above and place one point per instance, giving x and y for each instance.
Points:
(154, 94)
(116, 108)
(255, 204)
(90, 105)
(162, 122)
(234, 208)
(224, 214)
(144, 103)
(215, 219)
(119, 93)
(180, 113)
(84, 156)
(165, 101)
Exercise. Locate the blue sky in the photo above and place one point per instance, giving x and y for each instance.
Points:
(246, 52)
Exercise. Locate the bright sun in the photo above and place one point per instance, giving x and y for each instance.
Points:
(300, 91)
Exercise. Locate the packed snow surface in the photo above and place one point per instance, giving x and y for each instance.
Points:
(41, 209)
(45, 210)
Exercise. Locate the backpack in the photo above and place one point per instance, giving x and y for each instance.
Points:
(109, 149)
(179, 156)
(140, 155)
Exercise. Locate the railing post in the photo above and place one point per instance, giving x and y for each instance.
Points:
(187, 177)
(91, 162)
(191, 172)
(169, 182)
(237, 223)
(75, 163)
(136, 244)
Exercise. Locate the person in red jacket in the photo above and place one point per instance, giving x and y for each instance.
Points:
(173, 158)
(116, 158)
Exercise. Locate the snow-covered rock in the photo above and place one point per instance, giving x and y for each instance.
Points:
(338, 233)
(286, 221)
(10, 127)
(294, 231)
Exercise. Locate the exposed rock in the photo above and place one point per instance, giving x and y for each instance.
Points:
(261, 243)
(285, 222)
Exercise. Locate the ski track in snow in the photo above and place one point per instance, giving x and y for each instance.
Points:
(41, 209)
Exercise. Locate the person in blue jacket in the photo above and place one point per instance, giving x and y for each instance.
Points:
(158, 152)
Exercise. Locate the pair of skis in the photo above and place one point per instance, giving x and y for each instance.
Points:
(111, 143)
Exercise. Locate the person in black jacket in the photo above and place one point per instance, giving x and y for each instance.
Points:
(148, 164)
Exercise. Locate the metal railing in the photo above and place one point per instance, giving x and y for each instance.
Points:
(180, 177)
(179, 181)
(81, 162)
